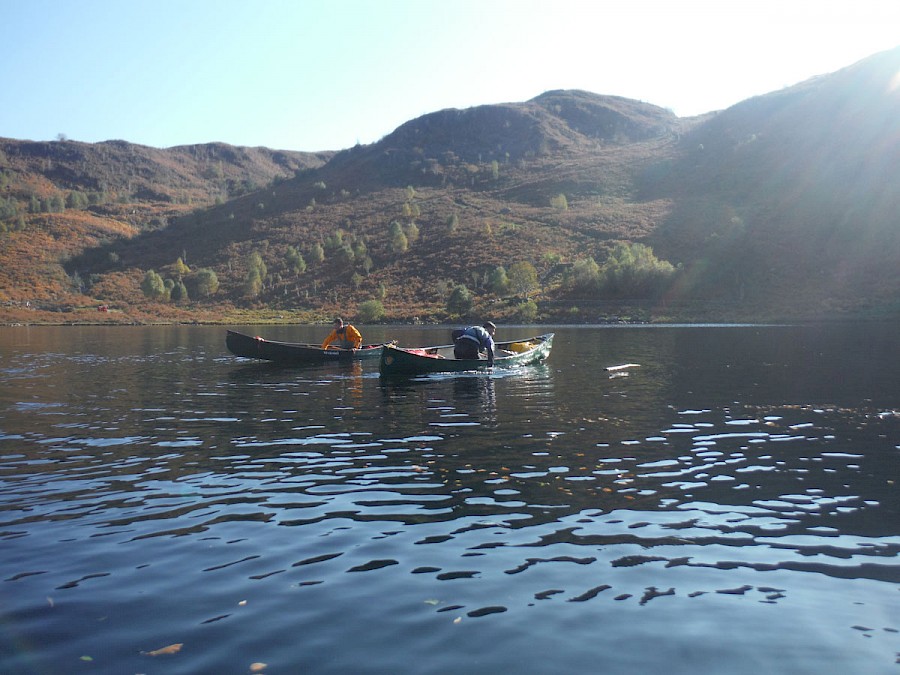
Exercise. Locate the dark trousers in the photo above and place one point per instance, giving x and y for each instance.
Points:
(465, 348)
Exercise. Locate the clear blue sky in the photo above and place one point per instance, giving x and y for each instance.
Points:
(327, 74)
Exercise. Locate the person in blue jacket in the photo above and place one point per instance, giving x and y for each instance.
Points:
(474, 340)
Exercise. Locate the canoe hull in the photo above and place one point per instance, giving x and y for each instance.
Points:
(292, 353)
(399, 362)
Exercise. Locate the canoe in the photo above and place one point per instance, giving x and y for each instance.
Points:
(406, 362)
(293, 353)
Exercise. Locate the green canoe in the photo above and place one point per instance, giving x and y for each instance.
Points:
(406, 362)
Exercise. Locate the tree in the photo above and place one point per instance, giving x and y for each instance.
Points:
(551, 258)
(179, 292)
(76, 200)
(8, 208)
(295, 260)
(360, 250)
(632, 270)
(523, 278)
(411, 230)
(585, 274)
(460, 300)
(153, 286)
(207, 282)
(335, 240)
(77, 282)
(527, 311)
(497, 281)
(442, 288)
(559, 202)
(253, 284)
(181, 269)
(255, 261)
(370, 311)
(344, 255)
(256, 274)
(399, 242)
(316, 253)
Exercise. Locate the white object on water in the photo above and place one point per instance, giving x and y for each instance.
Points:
(622, 367)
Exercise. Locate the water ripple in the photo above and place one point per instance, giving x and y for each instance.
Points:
(333, 506)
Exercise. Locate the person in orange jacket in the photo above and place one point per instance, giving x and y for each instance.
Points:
(344, 336)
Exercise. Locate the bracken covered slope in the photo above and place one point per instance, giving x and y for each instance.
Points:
(783, 206)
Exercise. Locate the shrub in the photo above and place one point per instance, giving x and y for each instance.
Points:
(153, 286)
(460, 300)
(497, 281)
(207, 282)
(632, 270)
(585, 274)
(527, 311)
(316, 253)
(370, 311)
(559, 202)
(334, 240)
(179, 292)
(344, 255)
(295, 261)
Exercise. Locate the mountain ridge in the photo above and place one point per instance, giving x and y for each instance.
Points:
(746, 203)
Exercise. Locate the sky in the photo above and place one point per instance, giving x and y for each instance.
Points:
(313, 75)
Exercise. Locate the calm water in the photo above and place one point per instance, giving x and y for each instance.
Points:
(729, 506)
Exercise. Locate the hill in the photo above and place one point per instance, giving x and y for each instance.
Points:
(789, 201)
(59, 198)
(570, 207)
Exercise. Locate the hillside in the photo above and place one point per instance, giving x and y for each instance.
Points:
(59, 198)
(500, 203)
(790, 201)
(782, 206)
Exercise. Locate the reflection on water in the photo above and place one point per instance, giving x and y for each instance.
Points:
(706, 504)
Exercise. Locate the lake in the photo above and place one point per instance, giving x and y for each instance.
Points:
(729, 505)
